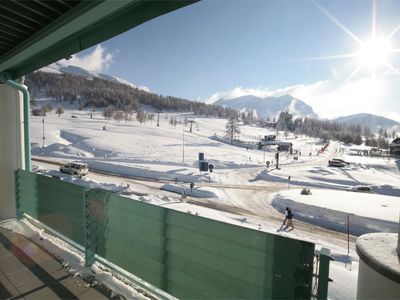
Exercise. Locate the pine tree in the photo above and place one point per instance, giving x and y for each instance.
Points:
(232, 129)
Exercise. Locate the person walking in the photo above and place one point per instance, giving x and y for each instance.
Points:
(289, 218)
(286, 217)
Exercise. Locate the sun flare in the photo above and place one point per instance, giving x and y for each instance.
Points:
(374, 53)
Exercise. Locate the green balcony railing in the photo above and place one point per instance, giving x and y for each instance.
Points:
(185, 255)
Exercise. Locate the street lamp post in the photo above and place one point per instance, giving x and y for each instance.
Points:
(43, 137)
(183, 141)
(264, 154)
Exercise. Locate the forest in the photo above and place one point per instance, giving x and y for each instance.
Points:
(329, 130)
(100, 93)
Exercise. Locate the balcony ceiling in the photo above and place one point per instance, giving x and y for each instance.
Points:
(35, 33)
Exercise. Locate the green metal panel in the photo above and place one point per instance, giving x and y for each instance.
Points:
(57, 204)
(187, 256)
(194, 257)
(323, 273)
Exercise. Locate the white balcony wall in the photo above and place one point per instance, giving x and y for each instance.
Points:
(11, 147)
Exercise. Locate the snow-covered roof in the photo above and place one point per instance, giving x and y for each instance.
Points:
(395, 142)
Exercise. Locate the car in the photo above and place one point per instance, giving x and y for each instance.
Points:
(75, 168)
(341, 160)
(361, 189)
(335, 163)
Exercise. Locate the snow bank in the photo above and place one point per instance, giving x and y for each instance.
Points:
(138, 171)
(197, 192)
(329, 209)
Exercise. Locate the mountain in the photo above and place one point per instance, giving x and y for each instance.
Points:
(58, 68)
(269, 106)
(87, 89)
(372, 121)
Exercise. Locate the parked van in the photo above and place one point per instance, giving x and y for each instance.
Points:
(335, 163)
(341, 161)
(75, 168)
(361, 189)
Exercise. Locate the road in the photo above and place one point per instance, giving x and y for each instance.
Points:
(249, 200)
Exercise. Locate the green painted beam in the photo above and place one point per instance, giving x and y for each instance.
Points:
(85, 25)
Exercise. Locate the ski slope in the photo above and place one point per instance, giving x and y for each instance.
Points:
(155, 163)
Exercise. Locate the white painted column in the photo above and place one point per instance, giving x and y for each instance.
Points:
(379, 268)
(11, 147)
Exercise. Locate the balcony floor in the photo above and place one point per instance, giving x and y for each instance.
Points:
(29, 272)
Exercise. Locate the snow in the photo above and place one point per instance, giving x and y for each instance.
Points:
(63, 67)
(380, 248)
(241, 190)
(196, 192)
(367, 212)
(269, 106)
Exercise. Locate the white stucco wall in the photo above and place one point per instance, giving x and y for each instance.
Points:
(373, 285)
(11, 147)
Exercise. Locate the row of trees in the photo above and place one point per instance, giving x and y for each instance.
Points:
(126, 114)
(41, 111)
(327, 130)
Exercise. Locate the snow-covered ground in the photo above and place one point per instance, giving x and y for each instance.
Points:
(156, 163)
(333, 209)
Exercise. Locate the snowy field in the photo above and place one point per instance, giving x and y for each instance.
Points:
(155, 164)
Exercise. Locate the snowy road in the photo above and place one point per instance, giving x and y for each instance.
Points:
(149, 158)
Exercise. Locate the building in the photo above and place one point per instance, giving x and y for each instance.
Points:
(285, 146)
(394, 147)
(270, 137)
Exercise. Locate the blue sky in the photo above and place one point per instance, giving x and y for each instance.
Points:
(221, 48)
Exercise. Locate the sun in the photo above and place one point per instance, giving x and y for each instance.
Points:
(374, 53)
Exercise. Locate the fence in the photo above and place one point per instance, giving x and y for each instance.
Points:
(185, 255)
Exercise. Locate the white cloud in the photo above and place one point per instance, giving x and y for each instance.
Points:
(98, 61)
(331, 98)
(260, 92)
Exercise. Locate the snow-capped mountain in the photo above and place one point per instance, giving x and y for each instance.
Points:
(372, 121)
(270, 106)
(59, 68)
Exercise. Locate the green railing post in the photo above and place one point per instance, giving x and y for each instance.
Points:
(323, 274)
(17, 195)
(89, 254)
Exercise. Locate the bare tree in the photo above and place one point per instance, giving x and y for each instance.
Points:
(118, 116)
(59, 111)
(141, 116)
(48, 107)
(151, 118)
(108, 112)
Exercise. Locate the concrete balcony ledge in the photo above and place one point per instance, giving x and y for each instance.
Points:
(28, 271)
(378, 251)
(379, 269)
